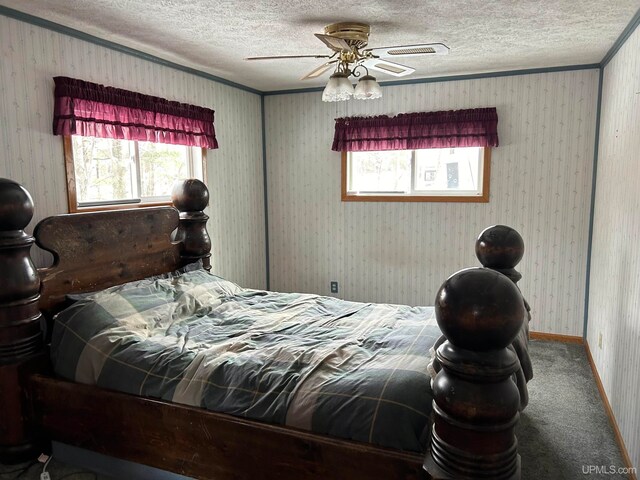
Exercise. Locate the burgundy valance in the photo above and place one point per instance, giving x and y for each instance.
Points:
(476, 127)
(93, 110)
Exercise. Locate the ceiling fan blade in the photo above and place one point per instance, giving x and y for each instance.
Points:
(392, 68)
(318, 71)
(410, 50)
(334, 43)
(277, 57)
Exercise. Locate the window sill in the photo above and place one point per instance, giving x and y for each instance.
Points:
(346, 197)
(126, 206)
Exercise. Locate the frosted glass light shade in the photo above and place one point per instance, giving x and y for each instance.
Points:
(338, 88)
(367, 89)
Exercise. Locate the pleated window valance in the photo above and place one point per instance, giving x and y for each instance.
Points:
(408, 131)
(94, 110)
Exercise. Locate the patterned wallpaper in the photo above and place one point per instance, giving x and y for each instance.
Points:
(30, 154)
(401, 252)
(614, 294)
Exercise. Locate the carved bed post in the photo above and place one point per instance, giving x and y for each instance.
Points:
(480, 311)
(501, 248)
(191, 197)
(21, 342)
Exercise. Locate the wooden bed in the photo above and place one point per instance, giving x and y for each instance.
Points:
(475, 400)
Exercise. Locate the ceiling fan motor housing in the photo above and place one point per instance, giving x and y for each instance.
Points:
(354, 33)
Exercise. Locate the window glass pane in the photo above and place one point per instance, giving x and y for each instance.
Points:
(161, 165)
(104, 168)
(388, 171)
(448, 169)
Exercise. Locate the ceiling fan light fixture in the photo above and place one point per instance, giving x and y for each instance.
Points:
(367, 89)
(338, 88)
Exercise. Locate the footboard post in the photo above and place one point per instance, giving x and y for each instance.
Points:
(475, 404)
(21, 339)
(501, 248)
(191, 197)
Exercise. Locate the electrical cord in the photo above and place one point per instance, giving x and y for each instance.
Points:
(45, 475)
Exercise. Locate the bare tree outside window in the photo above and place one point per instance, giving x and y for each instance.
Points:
(435, 174)
(111, 172)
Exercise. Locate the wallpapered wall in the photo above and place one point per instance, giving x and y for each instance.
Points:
(31, 155)
(614, 294)
(401, 252)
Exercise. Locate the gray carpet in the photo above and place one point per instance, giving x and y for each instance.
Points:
(565, 427)
(563, 431)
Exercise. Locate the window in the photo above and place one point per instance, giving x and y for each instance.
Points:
(125, 149)
(417, 157)
(428, 175)
(105, 173)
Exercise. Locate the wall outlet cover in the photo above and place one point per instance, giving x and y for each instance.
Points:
(334, 287)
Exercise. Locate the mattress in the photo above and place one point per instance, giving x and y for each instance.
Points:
(357, 371)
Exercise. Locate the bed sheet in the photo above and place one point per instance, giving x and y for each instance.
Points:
(353, 370)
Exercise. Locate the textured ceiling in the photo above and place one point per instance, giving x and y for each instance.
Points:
(215, 36)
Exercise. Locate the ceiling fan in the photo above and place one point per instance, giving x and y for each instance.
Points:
(347, 41)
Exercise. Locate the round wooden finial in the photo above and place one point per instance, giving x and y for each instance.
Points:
(190, 195)
(479, 309)
(16, 206)
(499, 247)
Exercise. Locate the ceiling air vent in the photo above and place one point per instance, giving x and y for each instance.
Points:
(411, 51)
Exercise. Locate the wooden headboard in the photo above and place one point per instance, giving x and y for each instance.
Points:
(93, 251)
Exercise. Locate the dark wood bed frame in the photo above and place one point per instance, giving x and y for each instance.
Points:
(475, 401)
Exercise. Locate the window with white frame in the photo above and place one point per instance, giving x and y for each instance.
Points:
(110, 173)
(435, 174)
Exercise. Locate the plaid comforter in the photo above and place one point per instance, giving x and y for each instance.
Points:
(353, 370)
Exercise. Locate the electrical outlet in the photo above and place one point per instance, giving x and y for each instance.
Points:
(334, 287)
(599, 340)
